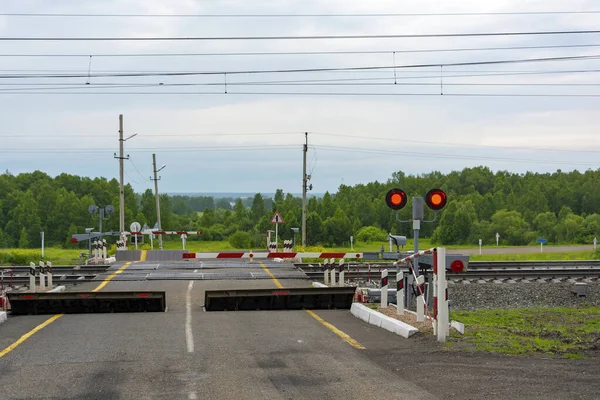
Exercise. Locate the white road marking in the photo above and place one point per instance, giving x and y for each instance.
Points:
(189, 337)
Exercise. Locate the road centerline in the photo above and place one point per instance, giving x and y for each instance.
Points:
(111, 276)
(345, 337)
(189, 336)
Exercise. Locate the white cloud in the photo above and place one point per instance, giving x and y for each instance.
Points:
(562, 123)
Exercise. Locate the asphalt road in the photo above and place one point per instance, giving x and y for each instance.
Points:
(193, 354)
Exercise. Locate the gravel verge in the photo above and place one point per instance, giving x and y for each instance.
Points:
(516, 295)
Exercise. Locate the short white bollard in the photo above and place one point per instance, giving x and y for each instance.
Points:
(332, 266)
(326, 271)
(384, 288)
(49, 272)
(342, 273)
(400, 293)
(32, 277)
(104, 254)
(42, 276)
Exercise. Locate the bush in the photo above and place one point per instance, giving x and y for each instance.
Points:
(20, 257)
(241, 240)
(371, 234)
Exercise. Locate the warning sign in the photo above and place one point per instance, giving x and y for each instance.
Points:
(277, 218)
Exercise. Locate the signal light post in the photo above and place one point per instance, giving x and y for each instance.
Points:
(396, 199)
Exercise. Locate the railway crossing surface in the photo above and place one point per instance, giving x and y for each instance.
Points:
(188, 353)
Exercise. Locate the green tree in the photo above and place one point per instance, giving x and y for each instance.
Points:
(241, 240)
(511, 226)
(545, 226)
(257, 211)
(371, 234)
(23, 240)
(456, 223)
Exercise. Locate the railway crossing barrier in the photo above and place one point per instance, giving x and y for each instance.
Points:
(279, 299)
(86, 302)
(440, 319)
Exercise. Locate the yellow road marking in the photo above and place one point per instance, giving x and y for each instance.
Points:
(143, 256)
(277, 283)
(335, 330)
(111, 276)
(332, 328)
(29, 334)
(57, 316)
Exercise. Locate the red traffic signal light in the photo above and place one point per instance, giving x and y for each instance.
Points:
(436, 199)
(396, 199)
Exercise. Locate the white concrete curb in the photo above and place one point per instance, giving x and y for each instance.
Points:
(382, 321)
(3, 317)
(319, 284)
(57, 289)
(459, 326)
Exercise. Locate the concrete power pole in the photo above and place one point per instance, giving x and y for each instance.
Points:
(121, 189)
(156, 179)
(304, 187)
(121, 158)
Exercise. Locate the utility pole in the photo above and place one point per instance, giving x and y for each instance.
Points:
(121, 158)
(156, 179)
(304, 184)
(121, 189)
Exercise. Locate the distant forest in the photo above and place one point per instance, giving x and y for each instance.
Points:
(561, 207)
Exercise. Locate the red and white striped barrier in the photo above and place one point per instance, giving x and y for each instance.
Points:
(243, 254)
(166, 233)
(440, 318)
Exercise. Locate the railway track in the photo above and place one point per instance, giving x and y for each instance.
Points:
(482, 270)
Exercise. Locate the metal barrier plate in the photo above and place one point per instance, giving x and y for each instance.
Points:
(86, 302)
(279, 299)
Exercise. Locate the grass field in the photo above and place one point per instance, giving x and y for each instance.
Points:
(564, 332)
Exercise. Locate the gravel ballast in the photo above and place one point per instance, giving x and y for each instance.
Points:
(515, 295)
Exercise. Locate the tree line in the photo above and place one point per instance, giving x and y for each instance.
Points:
(561, 207)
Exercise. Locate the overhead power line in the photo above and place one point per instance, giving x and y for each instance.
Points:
(298, 53)
(451, 156)
(328, 94)
(301, 70)
(437, 143)
(315, 37)
(337, 15)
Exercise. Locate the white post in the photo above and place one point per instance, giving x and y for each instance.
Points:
(104, 249)
(42, 276)
(332, 266)
(595, 242)
(541, 247)
(443, 318)
(480, 243)
(342, 273)
(420, 282)
(42, 244)
(151, 242)
(326, 271)
(390, 245)
(183, 241)
(384, 288)
(135, 239)
(400, 293)
(352, 243)
(276, 241)
(32, 277)
(49, 272)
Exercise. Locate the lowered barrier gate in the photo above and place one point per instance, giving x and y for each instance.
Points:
(279, 299)
(86, 302)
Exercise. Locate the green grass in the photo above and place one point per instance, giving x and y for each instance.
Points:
(58, 256)
(563, 332)
(571, 255)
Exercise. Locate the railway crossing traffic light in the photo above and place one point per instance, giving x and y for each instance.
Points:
(396, 199)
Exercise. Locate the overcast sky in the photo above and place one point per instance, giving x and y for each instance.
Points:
(361, 129)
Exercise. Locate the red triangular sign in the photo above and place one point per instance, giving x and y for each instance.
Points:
(277, 218)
